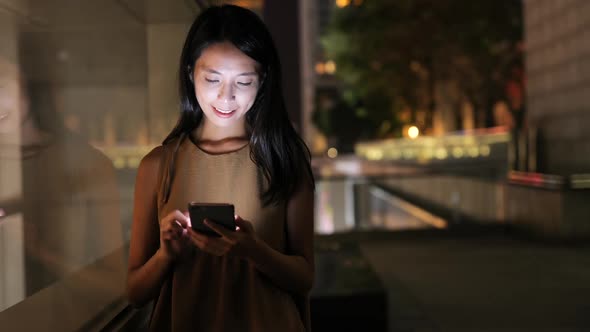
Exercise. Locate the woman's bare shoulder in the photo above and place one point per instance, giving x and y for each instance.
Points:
(151, 161)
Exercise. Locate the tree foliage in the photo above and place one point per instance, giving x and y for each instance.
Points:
(390, 54)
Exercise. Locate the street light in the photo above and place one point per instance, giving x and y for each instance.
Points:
(413, 132)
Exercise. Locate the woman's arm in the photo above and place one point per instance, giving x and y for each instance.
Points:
(148, 265)
(293, 271)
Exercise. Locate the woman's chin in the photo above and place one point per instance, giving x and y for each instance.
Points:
(226, 123)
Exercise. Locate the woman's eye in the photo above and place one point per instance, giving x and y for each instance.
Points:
(211, 81)
(245, 83)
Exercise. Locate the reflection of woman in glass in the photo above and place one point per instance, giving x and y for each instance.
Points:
(233, 143)
(69, 201)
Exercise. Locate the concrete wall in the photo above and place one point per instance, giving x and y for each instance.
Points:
(561, 214)
(481, 200)
(557, 38)
(282, 19)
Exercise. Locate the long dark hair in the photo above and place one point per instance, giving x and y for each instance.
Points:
(276, 148)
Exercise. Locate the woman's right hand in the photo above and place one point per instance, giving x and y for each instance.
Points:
(173, 234)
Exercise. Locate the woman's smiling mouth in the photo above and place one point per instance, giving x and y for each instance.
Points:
(223, 113)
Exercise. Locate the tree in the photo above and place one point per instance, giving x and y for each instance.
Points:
(398, 50)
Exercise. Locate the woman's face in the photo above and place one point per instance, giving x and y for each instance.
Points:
(226, 83)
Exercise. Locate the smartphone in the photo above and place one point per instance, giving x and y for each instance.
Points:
(219, 213)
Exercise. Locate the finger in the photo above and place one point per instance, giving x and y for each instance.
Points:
(177, 226)
(243, 225)
(178, 216)
(170, 236)
(196, 235)
(217, 228)
(198, 239)
(208, 241)
(238, 222)
(172, 233)
(188, 217)
(210, 245)
(173, 226)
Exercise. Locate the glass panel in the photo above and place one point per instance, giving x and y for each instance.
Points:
(351, 203)
(86, 90)
(61, 235)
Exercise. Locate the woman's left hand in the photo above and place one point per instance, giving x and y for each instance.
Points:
(240, 243)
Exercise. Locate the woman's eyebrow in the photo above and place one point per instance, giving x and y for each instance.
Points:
(209, 70)
(250, 73)
(212, 71)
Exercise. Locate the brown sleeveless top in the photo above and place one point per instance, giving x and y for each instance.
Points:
(208, 293)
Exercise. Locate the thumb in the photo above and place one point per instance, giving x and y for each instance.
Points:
(244, 225)
(188, 218)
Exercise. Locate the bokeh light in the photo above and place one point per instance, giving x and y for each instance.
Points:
(330, 67)
(342, 3)
(413, 132)
(332, 153)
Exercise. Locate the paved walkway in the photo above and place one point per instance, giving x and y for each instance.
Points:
(481, 280)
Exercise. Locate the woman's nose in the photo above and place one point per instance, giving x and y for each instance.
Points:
(226, 93)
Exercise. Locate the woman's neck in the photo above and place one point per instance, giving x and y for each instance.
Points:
(208, 132)
(219, 140)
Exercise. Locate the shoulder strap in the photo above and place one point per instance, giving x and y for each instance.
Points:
(162, 171)
(167, 168)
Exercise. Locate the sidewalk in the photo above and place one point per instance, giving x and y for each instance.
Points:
(481, 280)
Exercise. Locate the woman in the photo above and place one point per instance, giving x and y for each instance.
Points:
(234, 144)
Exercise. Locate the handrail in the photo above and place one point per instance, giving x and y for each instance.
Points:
(550, 181)
(409, 208)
